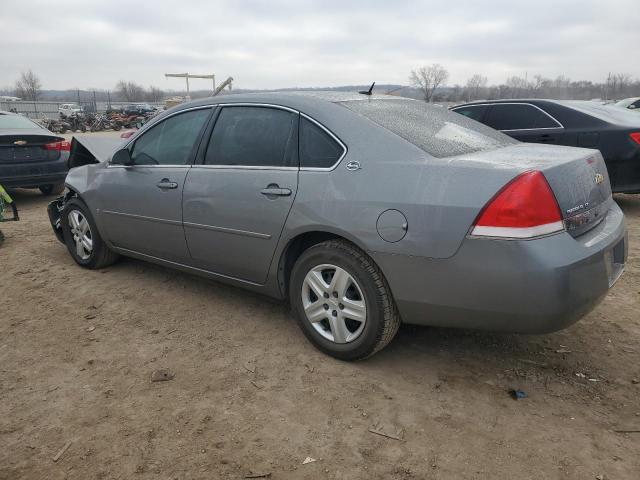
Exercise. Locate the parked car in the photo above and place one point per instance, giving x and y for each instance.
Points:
(615, 132)
(31, 156)
(362, 211)
(67, 109)
(138, 109)
(630, 103)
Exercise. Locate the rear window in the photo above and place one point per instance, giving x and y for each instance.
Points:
(15, 122)
(519, 116)
(435, 130)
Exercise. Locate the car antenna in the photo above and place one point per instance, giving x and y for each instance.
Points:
(368, 92)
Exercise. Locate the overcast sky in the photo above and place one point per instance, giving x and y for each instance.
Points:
(281, 43)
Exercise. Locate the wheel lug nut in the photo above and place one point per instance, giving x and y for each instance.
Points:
(341, 306)
(335, 294)
(326, 295)
(334, 313)
(326, 307)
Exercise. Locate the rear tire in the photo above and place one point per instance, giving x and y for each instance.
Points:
(92, 252)
(52, 189)
(350, 318)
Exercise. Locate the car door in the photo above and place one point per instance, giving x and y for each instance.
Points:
(141, 205)
(238, 195)
(524, 122)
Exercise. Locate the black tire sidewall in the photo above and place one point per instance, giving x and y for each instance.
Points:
(366, 343)
(75, 204)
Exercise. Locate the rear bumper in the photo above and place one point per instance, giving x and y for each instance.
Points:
(28, 181)
(533, 286)
(34, 174)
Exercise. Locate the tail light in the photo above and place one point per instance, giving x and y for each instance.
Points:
(635, 137)
(61, 146)
(524, 208)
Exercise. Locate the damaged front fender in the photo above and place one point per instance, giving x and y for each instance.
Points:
(54, 209)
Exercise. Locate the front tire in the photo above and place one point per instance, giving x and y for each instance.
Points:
(342, 301)
(82, 237)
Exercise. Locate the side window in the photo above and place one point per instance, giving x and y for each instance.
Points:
(317, 148)
(170, 142)
(475, 112)
(253, 136)
(518, 117)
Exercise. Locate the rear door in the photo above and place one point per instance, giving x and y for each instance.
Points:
(141, 205)
(237, 199)
(524, 122)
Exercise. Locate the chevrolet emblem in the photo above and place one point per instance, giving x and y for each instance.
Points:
(20, 142)
(599, 178)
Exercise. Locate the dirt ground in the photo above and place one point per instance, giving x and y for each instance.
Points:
(251, 396)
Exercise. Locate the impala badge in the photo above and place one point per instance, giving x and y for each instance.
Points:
(599, 178)
(20, 142)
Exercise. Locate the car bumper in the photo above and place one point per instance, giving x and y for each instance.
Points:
(34, 174)
(521, 286)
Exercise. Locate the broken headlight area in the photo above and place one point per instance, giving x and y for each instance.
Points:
(54, 209)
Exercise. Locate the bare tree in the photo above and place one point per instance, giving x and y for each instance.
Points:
(28, 86)
(130, 91)
(518, 86)
(154, 94)
(428, 78)
(475, 85)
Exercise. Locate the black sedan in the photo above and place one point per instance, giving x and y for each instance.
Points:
(31, 156)
(615, 132)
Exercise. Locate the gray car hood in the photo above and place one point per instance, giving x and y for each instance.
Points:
(86, 149)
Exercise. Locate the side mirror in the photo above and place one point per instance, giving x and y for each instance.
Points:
(632, 107)
(122, 157)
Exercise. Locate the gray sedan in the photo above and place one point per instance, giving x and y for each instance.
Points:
(362, 211)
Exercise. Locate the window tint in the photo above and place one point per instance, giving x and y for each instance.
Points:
(253, 136)
(171, 141)
(475, 112)
(317, 148)
(435, 130)
(518, 117)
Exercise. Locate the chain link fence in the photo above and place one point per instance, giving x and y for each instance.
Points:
(38, 110)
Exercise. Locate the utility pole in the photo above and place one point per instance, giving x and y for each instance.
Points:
(187, 76)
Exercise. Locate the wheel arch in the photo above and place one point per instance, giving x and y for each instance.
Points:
(301, 242)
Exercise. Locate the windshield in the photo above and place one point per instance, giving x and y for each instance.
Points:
(15, 122)
(433, 129)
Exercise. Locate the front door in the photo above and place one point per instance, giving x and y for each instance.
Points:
(237, 200)
(140, 206)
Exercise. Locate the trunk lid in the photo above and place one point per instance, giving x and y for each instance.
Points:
(19, 148)
(577, 176)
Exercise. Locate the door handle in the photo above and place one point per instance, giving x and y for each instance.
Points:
(275, 190)
(165, 184)
(545, 138)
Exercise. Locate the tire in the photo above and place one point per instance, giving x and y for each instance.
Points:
(364, 285)
(99, 255)
(52, 189)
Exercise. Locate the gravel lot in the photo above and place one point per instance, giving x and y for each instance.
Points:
(252, 396)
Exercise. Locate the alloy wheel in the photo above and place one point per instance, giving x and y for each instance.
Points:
(334, 304)
(81, 232)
